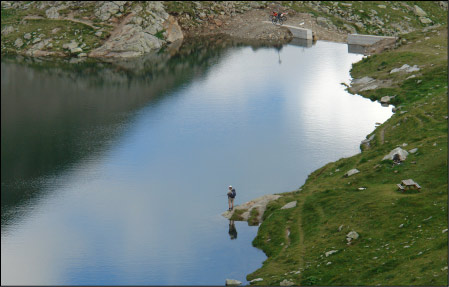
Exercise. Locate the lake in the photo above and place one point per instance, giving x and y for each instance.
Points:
(117, 173)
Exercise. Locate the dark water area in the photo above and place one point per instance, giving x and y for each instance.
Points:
(116, 173)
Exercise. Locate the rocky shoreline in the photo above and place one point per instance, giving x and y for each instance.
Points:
(127, 29)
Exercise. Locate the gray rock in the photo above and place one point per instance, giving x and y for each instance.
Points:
(444, 230)
(82, 55)
(362, 81)
(232, 282)
(425, 20)
(330, 252)
(289, 205)
(7, 30)
(18, 43)
(406, 68)
(98, 33)
(52, 13)
(418, 11)
(352, 236)
(369, 87)
(351, 172)
(413, 150)
(399, 151)
(27, 36)
(286, 282)
(107, 9)
(385, 99)
(76, 50)
(256, 280)
(36, 40)
(70, 46)
(382, 6)
(340, 228)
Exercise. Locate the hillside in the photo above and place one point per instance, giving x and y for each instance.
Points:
(124, 29)
(402, 235)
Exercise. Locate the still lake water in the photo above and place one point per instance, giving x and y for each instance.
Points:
(116, 173)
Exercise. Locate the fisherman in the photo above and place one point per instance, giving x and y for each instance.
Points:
(231, 196)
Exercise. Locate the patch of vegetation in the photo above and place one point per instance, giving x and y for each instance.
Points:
(401, 239)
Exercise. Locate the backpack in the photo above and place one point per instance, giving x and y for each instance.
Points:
(233, 193)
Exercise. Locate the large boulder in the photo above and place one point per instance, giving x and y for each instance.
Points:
(107, 9)
(130, 41)
(397, 151)
(173, 30)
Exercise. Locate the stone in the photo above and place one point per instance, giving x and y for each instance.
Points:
(399, 151)
(36, 40)
(55, 30)
(232, 282)
(418, 11)
(98, 33)
(18, 43)
(329, 263)
(289, 205)
(382, 6)
(27, 36)
(369, 87)
(7, 30)
(52, 13)
(330, 252)
(76, 50)
(362, 81)
(286, 282)
(405, 68)
(82, 55)
(107, 9)
(340, 227)
(444, 230)
(385, 99)
(425, 20)
(256, 280)
(70, 46)
(351, 172)
(413, 150)
(173, 30)
(402, 225)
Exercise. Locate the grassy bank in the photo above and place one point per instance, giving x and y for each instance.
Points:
(402, 238)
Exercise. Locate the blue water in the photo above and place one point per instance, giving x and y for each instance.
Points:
(122, 179)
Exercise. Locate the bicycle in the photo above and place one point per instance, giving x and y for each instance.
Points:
(278, 18)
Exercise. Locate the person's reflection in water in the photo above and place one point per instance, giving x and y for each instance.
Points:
(232, 231)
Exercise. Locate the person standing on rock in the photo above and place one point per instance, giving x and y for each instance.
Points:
(231, 196)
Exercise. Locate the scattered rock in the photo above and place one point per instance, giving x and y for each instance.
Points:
(351, 172)
(52, 13)
(402, 225)
(76, 50)
(256, 280)
(428, 218)
(425, 20)
(329, 263)
(340, 227)
(70, 46)
(36, 40)
(174, 32)
(444, 230)
(351, 236)
(382, 6)
(289, 205)
(232, 282)
(418, 11)
(18, 43)
(330, 252)
(27, 36)
(98, 33)
(406, 68)
(385, 100)
(286, 282)
(397, 151)
(413, 150)
(7, 30)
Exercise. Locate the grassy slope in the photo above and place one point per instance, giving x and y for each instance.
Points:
(328, 200)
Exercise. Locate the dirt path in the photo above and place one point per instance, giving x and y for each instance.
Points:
(250, 26)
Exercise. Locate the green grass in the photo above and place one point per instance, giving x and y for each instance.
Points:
(398, 243)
